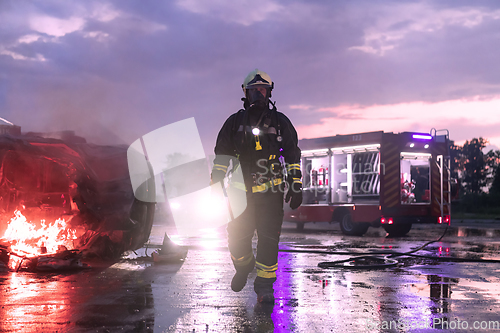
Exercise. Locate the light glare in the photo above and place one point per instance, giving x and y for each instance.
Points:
(422, 136)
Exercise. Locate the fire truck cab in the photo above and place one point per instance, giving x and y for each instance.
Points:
(375, 179)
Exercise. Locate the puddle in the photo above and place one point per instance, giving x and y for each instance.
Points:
(473, 232)
(438, 289)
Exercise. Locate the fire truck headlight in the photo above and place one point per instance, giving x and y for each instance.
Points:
(426, 146)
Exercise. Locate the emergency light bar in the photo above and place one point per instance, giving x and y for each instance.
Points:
(422, 136)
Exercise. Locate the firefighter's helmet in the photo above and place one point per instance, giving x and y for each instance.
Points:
(257, 79)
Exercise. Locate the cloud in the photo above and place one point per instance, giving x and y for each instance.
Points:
(134, 66)
(246, 12)
(464, 118)
(46, 25)
(18, 56)
(56, 27)
(30, 38)
(97, 35)
(396, 21)
(104, 12)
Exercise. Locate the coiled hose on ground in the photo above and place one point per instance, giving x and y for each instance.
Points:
(381, 259)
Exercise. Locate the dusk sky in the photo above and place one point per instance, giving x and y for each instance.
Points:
(115, 70)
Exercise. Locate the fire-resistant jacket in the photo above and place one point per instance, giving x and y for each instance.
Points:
(258, 155)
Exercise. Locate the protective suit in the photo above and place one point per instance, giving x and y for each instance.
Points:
(263, 143)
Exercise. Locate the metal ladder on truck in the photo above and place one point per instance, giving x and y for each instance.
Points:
(444, 165)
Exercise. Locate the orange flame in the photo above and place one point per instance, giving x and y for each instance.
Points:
(27, 239)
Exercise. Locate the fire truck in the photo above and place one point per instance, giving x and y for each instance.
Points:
(378, 179)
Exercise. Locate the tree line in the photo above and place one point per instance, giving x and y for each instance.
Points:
(478, 177)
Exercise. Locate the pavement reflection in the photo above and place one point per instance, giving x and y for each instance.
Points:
(193, 295)
(29, 297)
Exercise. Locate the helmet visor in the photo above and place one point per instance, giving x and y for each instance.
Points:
(257, 85)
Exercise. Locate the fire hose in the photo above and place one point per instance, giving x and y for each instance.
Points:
(381, 259)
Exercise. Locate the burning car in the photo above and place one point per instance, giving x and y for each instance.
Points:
(64, 199)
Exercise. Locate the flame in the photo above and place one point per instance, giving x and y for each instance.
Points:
(28, 240)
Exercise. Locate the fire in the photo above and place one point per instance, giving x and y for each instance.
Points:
(28, 240)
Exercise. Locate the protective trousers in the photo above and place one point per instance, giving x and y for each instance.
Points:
(264, 214)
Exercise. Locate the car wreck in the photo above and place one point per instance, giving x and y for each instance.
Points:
(63, 200)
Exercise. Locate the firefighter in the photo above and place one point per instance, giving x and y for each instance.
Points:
(264, 143)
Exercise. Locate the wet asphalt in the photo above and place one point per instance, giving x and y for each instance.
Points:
(417, 294)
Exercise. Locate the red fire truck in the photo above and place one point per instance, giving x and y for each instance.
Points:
(375, 179)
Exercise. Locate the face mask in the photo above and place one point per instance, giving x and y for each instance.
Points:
(256, 98)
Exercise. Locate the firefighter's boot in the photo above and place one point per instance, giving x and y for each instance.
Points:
(243, 266)
(264, 289)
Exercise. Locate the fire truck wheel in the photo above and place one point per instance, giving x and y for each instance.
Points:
(352, 229)
(397, 230)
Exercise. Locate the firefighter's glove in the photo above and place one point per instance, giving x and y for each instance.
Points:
(294, 194)
(217, 176)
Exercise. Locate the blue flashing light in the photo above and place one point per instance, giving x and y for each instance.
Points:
(422, 136)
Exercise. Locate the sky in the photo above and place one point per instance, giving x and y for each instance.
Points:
(113, 71)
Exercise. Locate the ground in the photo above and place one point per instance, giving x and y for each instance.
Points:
(193, 295)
